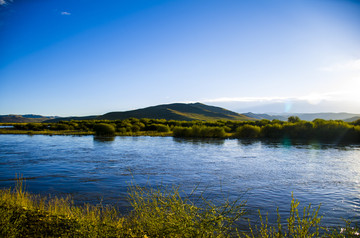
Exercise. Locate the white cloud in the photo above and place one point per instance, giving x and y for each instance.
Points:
(64, 13)
(246, 99)
(313, 98)
(351, 65)
(2, 2)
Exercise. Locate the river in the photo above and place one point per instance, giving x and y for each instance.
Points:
(264, 173)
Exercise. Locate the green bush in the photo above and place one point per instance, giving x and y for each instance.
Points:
(155, 213)
(162, 128)
(247, 131)
(305, 225)
(294, 119)
(103, 129)
(165, 213)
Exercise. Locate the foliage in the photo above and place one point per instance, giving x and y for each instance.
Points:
(307, 225)
(103, 129)
(26, 215)
(248, 131)
(350, 230)
(334, 131)
(199, 131)
(164, 213)
(155, 213)
(294, 119)
(162, 128)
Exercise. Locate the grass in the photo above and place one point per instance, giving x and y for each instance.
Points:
(155, 213)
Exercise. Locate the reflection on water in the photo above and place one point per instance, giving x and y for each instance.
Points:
(90, 168)
(200, 141)
(247, 142)
(6, 127)
(104, 138)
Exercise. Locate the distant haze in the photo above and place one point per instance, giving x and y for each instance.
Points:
(290, 106)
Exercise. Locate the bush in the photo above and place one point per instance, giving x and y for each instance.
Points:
(165, 213)
(294, 119)
(103, 129)
(247, 131)
(307, 225)
(162, 128)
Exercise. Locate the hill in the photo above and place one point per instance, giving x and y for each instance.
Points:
(265, 116)
(72, 118)
(174, 111)
(306, 116)
(23, 118)
(352, 119)
(179, 111)
(325, 116)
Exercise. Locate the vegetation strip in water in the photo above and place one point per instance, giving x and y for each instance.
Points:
(156, 213)
(318, 129)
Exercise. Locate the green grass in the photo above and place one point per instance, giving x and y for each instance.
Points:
(155, 213)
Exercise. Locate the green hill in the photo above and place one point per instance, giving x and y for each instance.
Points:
(179, 111)
(23, 118)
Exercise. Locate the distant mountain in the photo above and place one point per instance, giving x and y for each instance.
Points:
(184, 112)
(175, 111)
(325, 116)
(23, 118)
(265, 116)
(179, 111)
(349, 117)
(72, 118)
(276, 107)
(352, 119)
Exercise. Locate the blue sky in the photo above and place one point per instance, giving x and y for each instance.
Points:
(85, 57)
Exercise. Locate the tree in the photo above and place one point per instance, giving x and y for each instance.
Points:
(294, 119)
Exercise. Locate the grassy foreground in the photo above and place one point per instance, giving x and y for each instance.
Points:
(155, 213)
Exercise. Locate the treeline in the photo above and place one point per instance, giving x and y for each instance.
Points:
(294, 128)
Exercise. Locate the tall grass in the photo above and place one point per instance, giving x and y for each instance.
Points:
(26, 215)
(164, 213)
(155, 213)
(306, 225)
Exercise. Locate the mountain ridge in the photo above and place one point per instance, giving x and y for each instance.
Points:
(178, 111)
(27, 118)
(182, 112)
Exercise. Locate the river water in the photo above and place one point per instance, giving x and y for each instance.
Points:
(264, 173)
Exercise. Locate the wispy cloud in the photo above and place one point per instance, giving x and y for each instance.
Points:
(2, 2)
(64, 13)
(313, 98)
(351, 65)
(245, 99)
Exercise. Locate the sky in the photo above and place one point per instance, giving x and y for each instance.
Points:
(86, 57)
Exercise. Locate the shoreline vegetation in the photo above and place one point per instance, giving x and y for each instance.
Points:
(335, 131)
(155, 213)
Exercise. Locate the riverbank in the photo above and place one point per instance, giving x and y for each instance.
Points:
(71, 132)
(156, 213)
(294, 129)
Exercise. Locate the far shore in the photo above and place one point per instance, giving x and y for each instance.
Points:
(69, 133)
